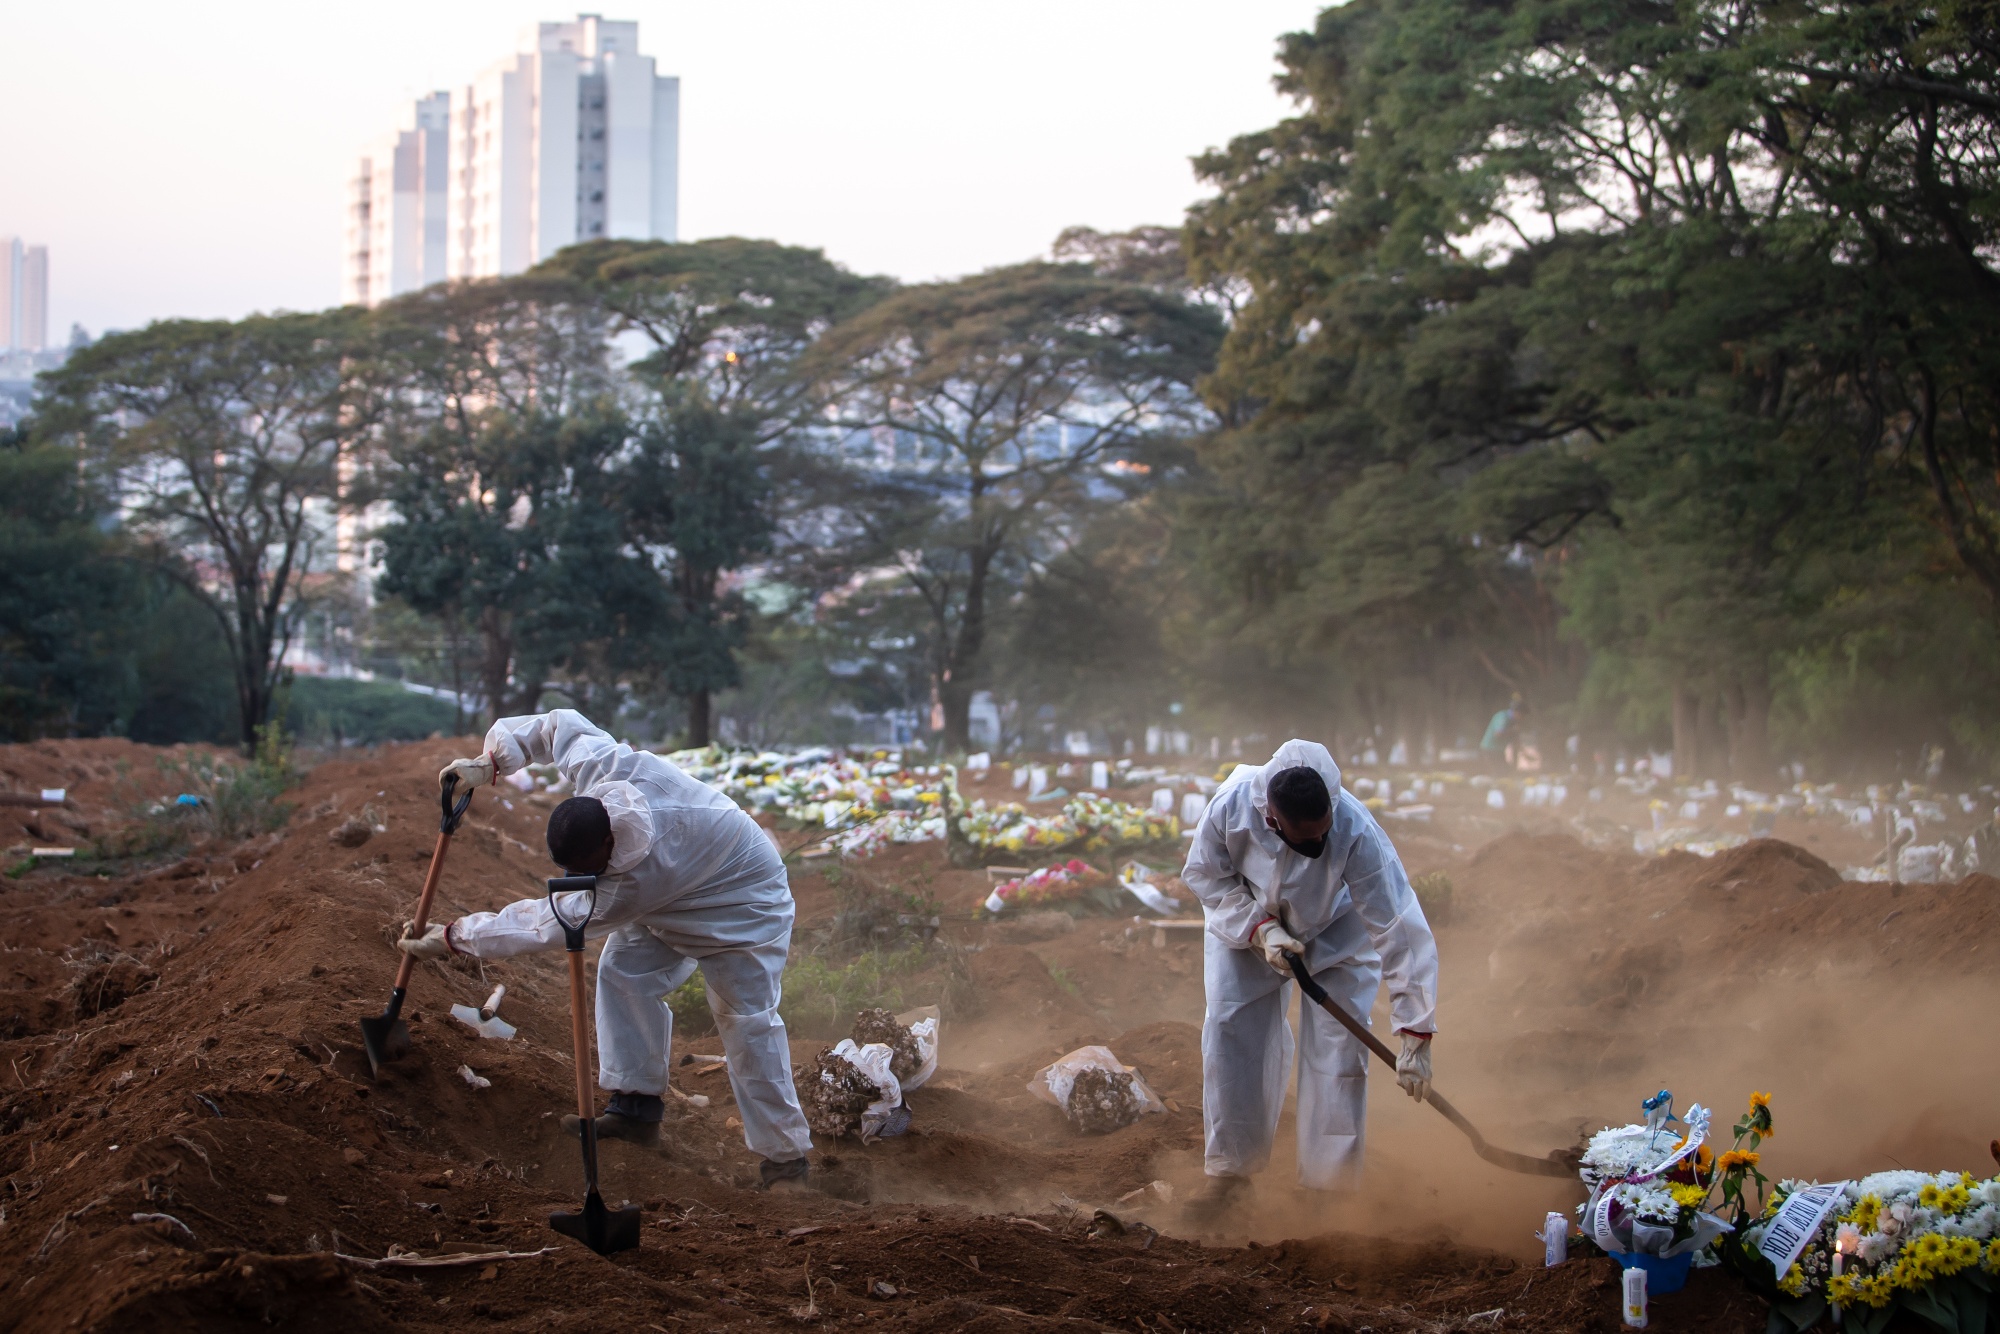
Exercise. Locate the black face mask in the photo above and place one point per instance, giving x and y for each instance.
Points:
(1310, 850)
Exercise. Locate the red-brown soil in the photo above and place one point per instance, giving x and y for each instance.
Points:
(180, 1039)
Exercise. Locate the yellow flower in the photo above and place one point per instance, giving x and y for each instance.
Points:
(1758, 1100)
(1736, 1159)
(1867, 1212)
(1993, 1258)
(1959, 1253)
(1690, 1196)
(1840, 1290)
(1793, 1284)
(1930, 1196)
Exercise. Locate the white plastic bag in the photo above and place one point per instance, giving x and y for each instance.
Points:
(1137, 879)
(923, 1024)
(1052, 1083)
(873, 1063)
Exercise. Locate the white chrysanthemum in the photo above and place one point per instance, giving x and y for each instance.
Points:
(1887, 1184)
(1875, 1247)
(1622, 1151)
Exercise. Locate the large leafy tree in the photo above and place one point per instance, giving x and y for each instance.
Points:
(495, 450)
(1673, 303)
(973, 418)
(725, 323)
(223, 441)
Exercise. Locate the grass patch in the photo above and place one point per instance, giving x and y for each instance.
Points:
(1434, 897)
(821, 997)
(233, 801)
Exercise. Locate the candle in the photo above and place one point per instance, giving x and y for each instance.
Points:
(1839, 1263)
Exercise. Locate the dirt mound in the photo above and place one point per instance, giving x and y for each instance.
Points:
(1774, 867)
(182, 1047)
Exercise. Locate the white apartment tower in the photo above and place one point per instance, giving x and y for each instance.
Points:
(396, 209)
(573, 138)
(24, 296)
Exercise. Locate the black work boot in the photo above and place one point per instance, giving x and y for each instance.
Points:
(1217, 1198)
(791, 1175)
(632, 1117)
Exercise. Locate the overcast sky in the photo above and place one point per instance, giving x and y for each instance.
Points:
(186, 158)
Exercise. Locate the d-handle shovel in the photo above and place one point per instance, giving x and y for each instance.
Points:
(386, 1036)
(605, 1231)
(1559, 1163)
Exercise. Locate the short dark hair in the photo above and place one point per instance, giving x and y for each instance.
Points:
(577, 830)
(1299, 794)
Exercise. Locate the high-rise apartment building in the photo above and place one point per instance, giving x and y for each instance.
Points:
(24, 296)
(573, 138)
(396, 209)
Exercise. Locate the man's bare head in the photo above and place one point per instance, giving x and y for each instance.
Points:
(580, 836)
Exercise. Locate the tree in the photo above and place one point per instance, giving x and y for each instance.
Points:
(224, 441)
(727, 320)
(63, 590)
(1663, 301)
(973, 415)
(501, 420)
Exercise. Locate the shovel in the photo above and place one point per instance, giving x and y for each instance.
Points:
(1559, 1163)
(386, 1036)
(603, 1230)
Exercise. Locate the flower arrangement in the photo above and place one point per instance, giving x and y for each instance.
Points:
(1086, 820)
(1049, 887)
(1922, 1242)
(1650, 1186)
(894, 803)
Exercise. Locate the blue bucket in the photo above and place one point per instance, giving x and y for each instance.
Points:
(1662, 1276)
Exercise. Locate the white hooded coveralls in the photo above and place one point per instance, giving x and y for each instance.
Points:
(693, 882)
(1353, 909)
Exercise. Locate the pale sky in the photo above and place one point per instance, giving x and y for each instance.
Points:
(186, 159)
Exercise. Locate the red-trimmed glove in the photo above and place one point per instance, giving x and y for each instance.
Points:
(434, 943)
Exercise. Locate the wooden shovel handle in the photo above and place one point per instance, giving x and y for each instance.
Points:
(423, 917)
(579, 1035)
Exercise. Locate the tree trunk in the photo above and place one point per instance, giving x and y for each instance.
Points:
(1686, 733)
(955, 686)
(496, 657)
(1711, 744)
(1750, 728)
(699, 708)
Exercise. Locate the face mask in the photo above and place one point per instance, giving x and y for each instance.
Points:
(1311, 850)
(1308, 850)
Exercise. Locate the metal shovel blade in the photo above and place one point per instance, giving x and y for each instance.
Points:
(606, 1231)
(385, 1036)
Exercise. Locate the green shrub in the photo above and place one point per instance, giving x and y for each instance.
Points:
(1434, 897)
(332, 711)
(821, 997)
(237, 800)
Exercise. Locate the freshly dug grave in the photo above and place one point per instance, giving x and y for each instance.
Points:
(211, 1072)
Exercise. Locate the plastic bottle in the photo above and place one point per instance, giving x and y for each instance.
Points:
(1555, 1238)
(1635, 1298)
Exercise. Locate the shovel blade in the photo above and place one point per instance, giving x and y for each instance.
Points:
(1559, 1163)
(384, 1037)
(606, 1231)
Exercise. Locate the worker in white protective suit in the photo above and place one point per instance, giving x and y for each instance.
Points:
(685, 880)
(1288, 863)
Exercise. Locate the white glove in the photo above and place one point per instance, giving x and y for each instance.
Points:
(434, 943)
(1276, 943)
(476, 772)
(1413, 1067)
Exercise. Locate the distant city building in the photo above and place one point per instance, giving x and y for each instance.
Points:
(24, 296)
(396, 209)
(573, 138)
